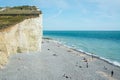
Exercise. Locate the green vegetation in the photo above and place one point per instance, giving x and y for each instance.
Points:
(19, 50)
(25, 7)
(14, 15)
(20, 10)
(6, 21)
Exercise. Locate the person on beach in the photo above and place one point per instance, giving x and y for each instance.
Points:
(112, 73)
(105, 68)
(85, 60)
(92, 55)
(87, 65)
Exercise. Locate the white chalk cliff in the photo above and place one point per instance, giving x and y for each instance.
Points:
(25, 36)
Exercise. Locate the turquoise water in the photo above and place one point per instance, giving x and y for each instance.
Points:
(105, 44)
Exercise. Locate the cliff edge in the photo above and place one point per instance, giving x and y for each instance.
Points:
(24, 36)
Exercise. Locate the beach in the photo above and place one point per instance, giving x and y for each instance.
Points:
(58, 62)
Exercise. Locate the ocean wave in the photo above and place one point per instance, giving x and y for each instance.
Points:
(90, 54)
(102, 58)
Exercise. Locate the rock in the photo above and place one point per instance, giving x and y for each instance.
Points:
(25, 36)
(54, 55)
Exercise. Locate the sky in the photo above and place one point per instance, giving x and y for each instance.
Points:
(75, 14)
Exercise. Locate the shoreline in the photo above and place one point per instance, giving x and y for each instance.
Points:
(57, 62)
(86, 53)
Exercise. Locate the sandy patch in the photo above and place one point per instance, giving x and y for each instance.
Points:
(105, 75)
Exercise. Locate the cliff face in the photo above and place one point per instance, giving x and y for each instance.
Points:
(25, 36)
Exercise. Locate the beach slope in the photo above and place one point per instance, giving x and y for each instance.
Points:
(57, 62)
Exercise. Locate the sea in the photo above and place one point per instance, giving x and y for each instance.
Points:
(103, 44)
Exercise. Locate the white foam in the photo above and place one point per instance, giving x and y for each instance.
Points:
(73, 47)
(116, 63)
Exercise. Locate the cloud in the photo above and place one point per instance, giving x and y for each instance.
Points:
(62, 4)
(108, 6)
(54, 15)
(99, 12)
(109, 9)
(60, 11)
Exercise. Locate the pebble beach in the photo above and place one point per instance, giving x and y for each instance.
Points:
(58, 62)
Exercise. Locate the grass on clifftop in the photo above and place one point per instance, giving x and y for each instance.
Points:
(20, 10)
(13, 15)
(6, 21)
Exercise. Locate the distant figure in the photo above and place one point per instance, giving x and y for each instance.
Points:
(87, 65)
(92, 56)
(112, 73)
(80, 66)
(105, 68)
(85, 60)
(66, 76)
